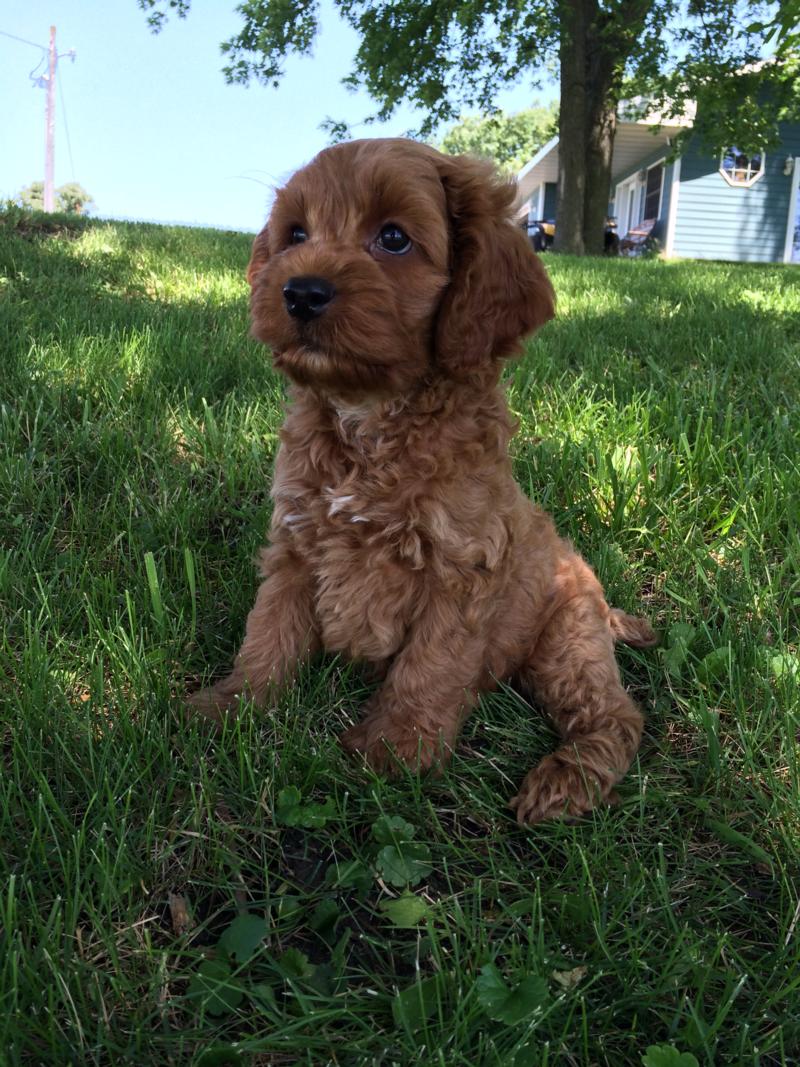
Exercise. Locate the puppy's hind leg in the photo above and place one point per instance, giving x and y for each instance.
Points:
(574, 675)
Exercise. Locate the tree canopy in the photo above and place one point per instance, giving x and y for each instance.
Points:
(455, 55)
(71, 198)
(509, 140)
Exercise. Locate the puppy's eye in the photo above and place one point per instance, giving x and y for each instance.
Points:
(297, 235)
(393, 239)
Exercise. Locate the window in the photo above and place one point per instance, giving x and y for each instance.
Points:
(652, 195)
(639, 197)
(737, 168)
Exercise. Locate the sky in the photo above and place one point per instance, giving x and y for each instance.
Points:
(146, 123)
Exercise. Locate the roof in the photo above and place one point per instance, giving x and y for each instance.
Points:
(635, 139)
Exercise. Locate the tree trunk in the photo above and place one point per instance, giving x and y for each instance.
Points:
(594, 46)
(571, 123)
(604, 71)
(599, 149)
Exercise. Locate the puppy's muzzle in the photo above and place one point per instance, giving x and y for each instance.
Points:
(307, 297)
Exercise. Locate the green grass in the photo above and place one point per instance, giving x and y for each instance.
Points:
(659, 423)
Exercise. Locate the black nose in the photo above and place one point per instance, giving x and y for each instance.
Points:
(307, 297)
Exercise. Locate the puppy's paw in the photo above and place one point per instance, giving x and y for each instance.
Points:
(215, 704)
(385, 746)
(555, 790)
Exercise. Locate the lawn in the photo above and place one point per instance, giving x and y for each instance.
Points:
(172, 896)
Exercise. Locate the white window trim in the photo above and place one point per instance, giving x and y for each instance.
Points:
(672, 221)
(742, 185)
(622, 196)
(536, 204)
(787, 248)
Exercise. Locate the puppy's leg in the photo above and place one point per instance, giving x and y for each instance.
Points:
(574, 674)
(281, 631)
(430, 688)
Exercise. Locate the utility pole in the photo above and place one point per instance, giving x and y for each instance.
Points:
(50, 112)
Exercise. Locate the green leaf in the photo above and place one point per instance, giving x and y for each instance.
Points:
(404, 864)
(681, 636)
(243, 937)
(784, 665)
(263, 997)
(290, 812)
(213, 986)
(322, 980)
(506, 1005)
(220, 1056)
(412, 1006)
(406, 911)
(350, 875)
(289, 797)
(288, 908)
(325, 917)
(388, 830)
(667, 1056)
(295, 964)
(716, 665)
(491, 990)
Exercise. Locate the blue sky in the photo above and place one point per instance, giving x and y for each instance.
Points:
(155, 132)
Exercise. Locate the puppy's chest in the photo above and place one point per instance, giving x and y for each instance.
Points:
(354, 517)
(353, 525)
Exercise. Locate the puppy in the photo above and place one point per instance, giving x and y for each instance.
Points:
(391, 288)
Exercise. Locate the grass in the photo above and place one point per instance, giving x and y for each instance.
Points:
(167, 896)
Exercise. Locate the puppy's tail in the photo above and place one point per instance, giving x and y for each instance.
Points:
(631, 630)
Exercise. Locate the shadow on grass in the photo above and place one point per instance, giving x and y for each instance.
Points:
(650, 323)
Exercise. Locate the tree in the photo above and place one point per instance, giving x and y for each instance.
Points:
(74, 199)
(71, 198)
(446, 55)
(32, 196)
(509, 140)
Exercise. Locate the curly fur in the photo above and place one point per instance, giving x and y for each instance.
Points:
(399, 536)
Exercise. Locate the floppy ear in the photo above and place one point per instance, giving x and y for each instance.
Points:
(259, 255)
(499, 291)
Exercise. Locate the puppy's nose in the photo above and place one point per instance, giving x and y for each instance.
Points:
(307, 297)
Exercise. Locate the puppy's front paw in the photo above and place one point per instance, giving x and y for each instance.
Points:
(216, 703)
(555, 790)
(384, 746)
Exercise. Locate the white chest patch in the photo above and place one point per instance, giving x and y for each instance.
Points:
(341, 505)
(338, 503)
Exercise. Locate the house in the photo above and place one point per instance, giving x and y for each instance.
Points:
(729, 207)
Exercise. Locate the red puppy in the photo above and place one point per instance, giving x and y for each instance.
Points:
(391, 287)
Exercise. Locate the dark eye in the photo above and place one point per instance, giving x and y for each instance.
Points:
(297, 235)
(393, 239)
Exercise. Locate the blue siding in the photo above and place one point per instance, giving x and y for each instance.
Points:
(721, 221)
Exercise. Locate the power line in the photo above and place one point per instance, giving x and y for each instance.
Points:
(22, 40)
(34, 76)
